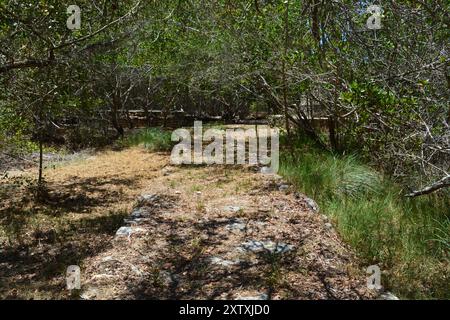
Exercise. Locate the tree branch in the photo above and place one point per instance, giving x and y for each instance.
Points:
(29, 63)
(443, 183)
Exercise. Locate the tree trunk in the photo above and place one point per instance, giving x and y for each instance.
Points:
(332, 133)
(40, 178)
(286, 44)
(114, 116)
(333, 119)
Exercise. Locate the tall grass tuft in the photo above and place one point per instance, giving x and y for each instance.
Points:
(153, 139)
(408, 238)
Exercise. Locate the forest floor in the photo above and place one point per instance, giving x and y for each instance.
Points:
(190, 232)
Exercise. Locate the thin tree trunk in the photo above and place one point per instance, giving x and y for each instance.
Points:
(286, 43)
(40, 178)
(332, 120)
(114, 115)
(40, 128)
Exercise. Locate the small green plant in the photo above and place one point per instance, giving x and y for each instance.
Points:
(196, 188)
(274, 274)
(172, 184)
(155, 277)
(201, 208)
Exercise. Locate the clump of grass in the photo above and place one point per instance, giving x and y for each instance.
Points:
(153, 139)
(408, 238)
(274, 273)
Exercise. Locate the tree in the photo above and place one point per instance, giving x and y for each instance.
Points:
(37, 56)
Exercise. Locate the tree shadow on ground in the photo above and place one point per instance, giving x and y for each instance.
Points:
(44, 238)
(37, 269)
(86, 193)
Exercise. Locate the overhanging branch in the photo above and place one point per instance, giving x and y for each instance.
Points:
(29, 63)
(443, 183)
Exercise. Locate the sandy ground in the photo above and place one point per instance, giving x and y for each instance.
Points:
(193, 237)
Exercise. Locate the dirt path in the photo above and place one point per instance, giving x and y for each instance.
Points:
(199, 232)
(223, 233)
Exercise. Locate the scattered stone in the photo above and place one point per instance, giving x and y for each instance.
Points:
(147, 200)
(124, 232)
(312, 204)
(232, 209)
(266, 170)
(128, 231)
(283, 187)
(138, 213)
(167, 170)
(89, 294)
(177, 192)
(149, 197)
(136, 221)
(259, 246)
(261, 296)
(329, 226)
(222, 262)
(136, 270)
(388, 296)
(237, 225)
(103, 276)
(109, 259)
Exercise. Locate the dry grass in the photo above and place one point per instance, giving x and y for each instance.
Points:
(86, 203)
